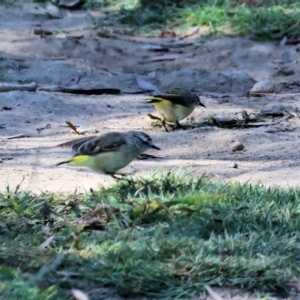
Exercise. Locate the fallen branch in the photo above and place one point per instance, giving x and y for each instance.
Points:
(7, 87)
(220, 95)
(17, 136)
(80, 91)
(7, 158)
(267, 124)
(249, 125)
(121, 127)
(273, 94)
(42, 32)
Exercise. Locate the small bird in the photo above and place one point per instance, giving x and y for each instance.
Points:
(175, 105)
(108, 153)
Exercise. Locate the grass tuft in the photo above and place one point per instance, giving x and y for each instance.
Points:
(271, 20)
(161, 236)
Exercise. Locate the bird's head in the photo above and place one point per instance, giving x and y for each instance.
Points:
(143, 140)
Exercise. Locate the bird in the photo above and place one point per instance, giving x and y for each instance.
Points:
(108, 153)
(175, 105)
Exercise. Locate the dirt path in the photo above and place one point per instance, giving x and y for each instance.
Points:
(104, 58)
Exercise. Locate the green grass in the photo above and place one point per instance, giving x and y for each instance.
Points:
(273, 20)
(160, 237)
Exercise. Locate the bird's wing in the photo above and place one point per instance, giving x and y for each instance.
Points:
(95, 145)
(76, 143)
(175, 99)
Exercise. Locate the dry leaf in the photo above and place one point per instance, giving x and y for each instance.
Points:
(70, 3)
(283, 41)
(79, 295)
(145, 85)
(53, 11)
(47, 242)
(191, 32)
(212, 293)
(167, 34)
(74, 80)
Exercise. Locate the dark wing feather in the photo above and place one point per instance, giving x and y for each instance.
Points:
(176, 99)
(95, 145)
(76, 143)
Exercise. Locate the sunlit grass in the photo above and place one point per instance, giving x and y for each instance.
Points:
(161, 236)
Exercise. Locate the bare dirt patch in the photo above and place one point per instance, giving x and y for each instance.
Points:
(104, 58)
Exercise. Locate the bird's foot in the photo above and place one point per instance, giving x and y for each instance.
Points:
(177, 126)
(165, 126)
(123, 176)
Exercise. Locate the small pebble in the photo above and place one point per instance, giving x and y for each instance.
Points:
(265, 86)
(237, 146)
(233, 165)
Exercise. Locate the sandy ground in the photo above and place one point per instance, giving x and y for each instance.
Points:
(79, 46)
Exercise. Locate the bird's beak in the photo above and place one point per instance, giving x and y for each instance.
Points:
(200, 103)
(153, 146)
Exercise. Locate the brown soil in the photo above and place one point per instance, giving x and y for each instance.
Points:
(107, 59)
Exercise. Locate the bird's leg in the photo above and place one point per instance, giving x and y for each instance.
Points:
(178, 125)
(124, 177)
(164, 124)
(113, 175)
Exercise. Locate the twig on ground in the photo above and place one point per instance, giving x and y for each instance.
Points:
(18, 136)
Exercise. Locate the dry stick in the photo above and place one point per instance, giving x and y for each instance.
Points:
(121, 127)
(7, 158)
(273, 94)
(220, 95)
(267, 124)
(72, 127)
(18, 136)
(193, 32)
(7, 87)
(17, 104)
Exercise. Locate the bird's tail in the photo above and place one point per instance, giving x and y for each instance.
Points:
(63, 162)
(77, 161)
(154, 100)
